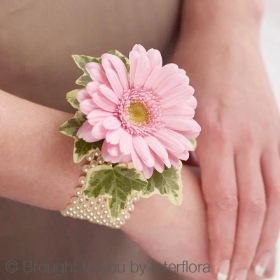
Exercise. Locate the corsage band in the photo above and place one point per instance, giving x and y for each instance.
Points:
(134, 123)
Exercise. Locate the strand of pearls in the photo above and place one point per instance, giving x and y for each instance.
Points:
(95, 210)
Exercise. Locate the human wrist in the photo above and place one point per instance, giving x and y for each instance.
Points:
(227, 20)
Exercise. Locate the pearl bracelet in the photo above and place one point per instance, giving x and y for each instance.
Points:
(96, 210)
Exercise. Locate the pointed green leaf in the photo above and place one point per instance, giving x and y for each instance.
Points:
(194, 143)
(81, 61)
(83, 80)
(117, 183)
(168, 183)
(71, 127)
(71, 97)
(83, 148)
(124, 59)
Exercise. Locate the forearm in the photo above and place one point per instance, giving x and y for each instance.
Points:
(36, 165)
(226, 20)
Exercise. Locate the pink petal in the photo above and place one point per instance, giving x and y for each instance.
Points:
(153, 77)
(176, 123)
(183, 156)
(137, 162)
(126, 159)
(98, 76)
(143, 150)
(113, 150)
(97, 116)
(169, 83)
(87, 106)
(147, 171)
(166, 71)
(113, 136)
(103, 102)
(167, 163)
(183, 110)
(181, 93)
(139, 48)
(156, 146)
(113, 62)
(93, 87)
(106, 156)
(187, 144)
(155, 58)
(99, 131)
(111, 123)
(84, 132)
(174, 161)
(169, 141)
(142, 71)
(115, 82)
(133, 58)
(94, 65)
(159, 165)
(192, 102)
(109, 94)
(83, 95)
(126, 143)
(193, 132)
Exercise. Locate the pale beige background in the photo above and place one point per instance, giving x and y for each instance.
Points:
(37, 39)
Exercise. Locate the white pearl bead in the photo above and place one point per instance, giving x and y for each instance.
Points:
(97, 153)
(130, 208)
(100, 160)
(86, 168)
(82, 180)
(90, 157)
(136, 197)
(127, 216)
(93, 163)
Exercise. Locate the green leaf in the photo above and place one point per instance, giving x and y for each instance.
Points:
(81, 61)
(83, 148)
(117, 183)
(168, 183)
(124, 59)
(71, 127)
(84, 80)
(194, 143)
(71, 97)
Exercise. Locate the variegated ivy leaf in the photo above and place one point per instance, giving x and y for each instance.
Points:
(71, 127)
(117, 183)
(194, 143)
(83, 148)
(81, 61)
(124, 59)
(71, 97)
(168, 183)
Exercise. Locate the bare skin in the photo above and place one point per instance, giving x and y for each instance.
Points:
(219, 48)
(176, 233)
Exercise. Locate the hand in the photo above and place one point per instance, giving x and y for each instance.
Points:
(173, 234)
(238, 149)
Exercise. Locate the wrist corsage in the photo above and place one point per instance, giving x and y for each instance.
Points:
(133, 125)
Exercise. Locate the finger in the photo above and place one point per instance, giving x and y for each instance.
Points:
(271, 173)
(270, 271)
(220, 193)
(251, 212)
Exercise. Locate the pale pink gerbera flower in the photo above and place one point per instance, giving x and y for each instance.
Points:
(145, 116)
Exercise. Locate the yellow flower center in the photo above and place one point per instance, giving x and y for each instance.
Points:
(138, 113)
